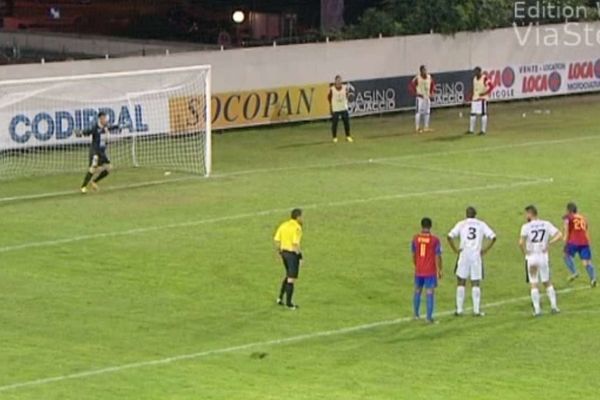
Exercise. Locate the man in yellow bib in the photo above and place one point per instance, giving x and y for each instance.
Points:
(338, 103)
(287, 243)
(482, 88)
(423, 87)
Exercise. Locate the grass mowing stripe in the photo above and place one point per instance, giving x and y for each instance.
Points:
(455, 171)
(248, 346)
(408, 156)
(303, 167)
(135, 231)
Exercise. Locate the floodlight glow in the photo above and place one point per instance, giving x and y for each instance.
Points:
(238, 17)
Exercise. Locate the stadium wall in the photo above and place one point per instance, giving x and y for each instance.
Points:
(289, 83)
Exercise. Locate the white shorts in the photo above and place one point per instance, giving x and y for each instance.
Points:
(541, 261)
(479, 107)
(423, 105)
(469, 266)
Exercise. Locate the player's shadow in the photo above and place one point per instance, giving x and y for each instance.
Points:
(450, 326)
(302, 145)
(452, 138)
(388, 136)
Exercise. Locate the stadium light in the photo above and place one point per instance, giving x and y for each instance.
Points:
(238, 17)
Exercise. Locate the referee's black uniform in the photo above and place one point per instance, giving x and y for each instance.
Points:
(287, 240)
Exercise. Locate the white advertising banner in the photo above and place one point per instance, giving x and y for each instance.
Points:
(560, 77)
(45, 127)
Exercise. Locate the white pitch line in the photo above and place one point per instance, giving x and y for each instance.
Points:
(247, 346)
(234, 217)
(107, 189)
(569, 312)
(455, 171)
(379, 160)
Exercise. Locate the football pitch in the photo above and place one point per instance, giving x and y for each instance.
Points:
(164, 287)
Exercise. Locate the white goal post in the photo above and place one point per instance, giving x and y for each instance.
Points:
(161, 119)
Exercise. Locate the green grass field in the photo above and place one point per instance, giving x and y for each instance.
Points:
(167, 291)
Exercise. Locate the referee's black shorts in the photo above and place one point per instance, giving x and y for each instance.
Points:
(291, 262)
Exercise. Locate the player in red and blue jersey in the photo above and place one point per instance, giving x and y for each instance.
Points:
(577, 243)
(427, 258)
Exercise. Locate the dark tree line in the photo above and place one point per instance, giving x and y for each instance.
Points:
(406, 17)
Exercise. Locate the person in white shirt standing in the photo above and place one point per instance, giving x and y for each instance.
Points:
(338, 102)
(536, 237)
(472, 232)
(482, 90)
(424, 87)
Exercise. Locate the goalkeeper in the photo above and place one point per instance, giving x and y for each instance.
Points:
(99, 162)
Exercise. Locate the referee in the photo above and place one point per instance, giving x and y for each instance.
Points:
(287, 243)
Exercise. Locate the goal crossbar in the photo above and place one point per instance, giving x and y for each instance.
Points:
(102, 75)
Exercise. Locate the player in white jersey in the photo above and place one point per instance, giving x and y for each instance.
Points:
(423, 87)
(472, 233)
(536, 237)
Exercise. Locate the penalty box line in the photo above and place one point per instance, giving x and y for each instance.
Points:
(233, 174)
(235, 217)
(462, 172)
(248, 346)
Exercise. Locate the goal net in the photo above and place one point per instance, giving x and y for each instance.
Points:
(161, 120)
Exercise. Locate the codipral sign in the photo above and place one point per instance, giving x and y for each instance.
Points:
(42, 127)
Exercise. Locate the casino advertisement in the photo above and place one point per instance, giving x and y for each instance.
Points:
(451, 88)
(375, 96)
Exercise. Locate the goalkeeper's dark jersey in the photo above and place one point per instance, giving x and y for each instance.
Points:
(98, 144)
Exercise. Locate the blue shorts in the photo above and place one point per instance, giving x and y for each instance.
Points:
(585, 253)
(427, 282)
